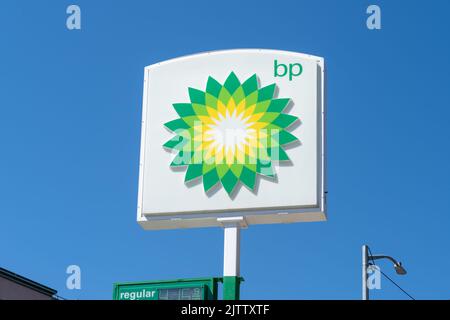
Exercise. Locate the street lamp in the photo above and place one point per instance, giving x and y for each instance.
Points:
(365, 264)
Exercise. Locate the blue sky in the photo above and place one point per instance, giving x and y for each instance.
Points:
(70, 134)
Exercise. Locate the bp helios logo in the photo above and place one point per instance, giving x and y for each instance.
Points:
(231, 133)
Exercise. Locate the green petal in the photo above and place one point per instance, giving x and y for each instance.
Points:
(262, 106)
(265, 169)
(184, 109)
(278, 153)
(176, 142)
(210, 180)
(269, 117)
(210, 101)
(222, 170)
(284, 120)
(224, 96)
(182, 159)
(196, 96)
(248, 177)
(199, 109)
(277, 105)
(285, 137)
(251, 100)
(213, 87)
(176, 125)
(250, 85)
(232, 83)
(229, 181)
(236, 168)
(238, 95)
(193, 172)
(266, 93)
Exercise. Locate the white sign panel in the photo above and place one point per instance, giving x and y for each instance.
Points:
(232, 133)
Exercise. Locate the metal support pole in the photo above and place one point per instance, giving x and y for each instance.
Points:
(365, 265)
(231, 257)
(231, 262)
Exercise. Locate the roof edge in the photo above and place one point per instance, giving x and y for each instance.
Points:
(27, 282)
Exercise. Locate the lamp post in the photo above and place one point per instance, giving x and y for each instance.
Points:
(366, 257)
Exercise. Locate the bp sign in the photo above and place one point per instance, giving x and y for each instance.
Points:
(226, 133)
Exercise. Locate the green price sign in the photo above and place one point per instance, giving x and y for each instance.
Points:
(180, 289)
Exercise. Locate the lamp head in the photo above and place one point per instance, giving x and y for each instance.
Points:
(399, 268)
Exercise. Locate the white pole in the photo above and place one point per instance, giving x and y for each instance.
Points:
(231, 256)
(231, 251)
